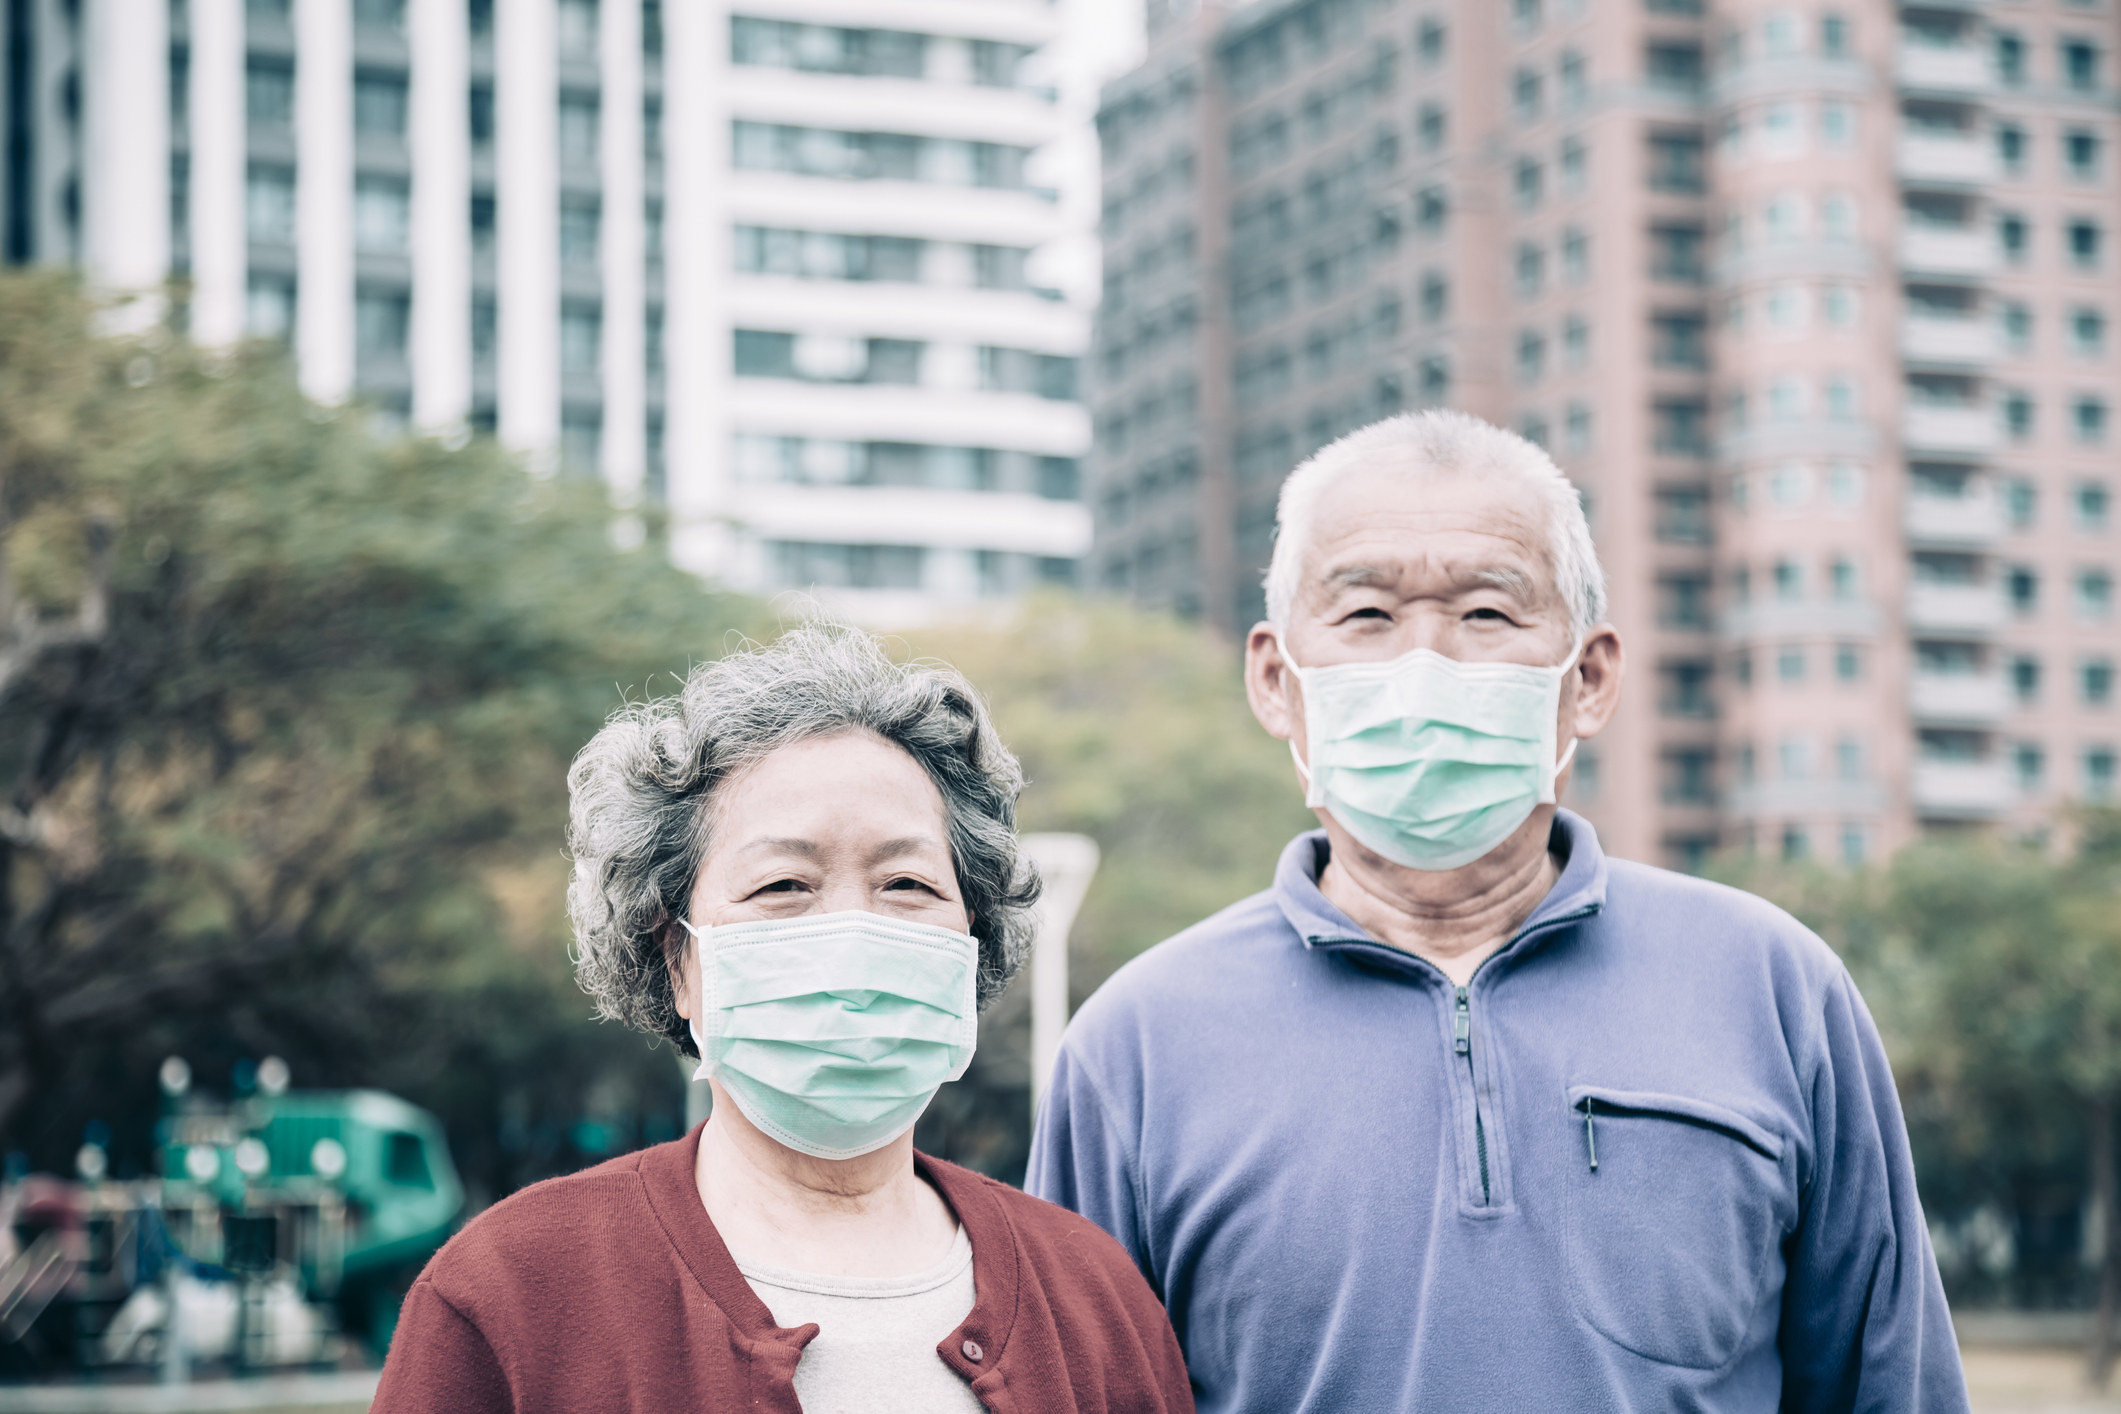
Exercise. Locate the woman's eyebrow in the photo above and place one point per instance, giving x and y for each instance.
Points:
(904, 845)
(777, 844)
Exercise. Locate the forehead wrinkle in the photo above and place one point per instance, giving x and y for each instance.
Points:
(1508, 578)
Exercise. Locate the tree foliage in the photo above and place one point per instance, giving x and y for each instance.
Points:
(284, 715)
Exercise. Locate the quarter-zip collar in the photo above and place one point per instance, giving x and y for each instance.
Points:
(1578, 893)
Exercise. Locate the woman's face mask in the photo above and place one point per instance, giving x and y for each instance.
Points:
(833, 1031)
(1427, 760)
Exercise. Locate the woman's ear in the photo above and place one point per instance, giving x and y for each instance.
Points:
(679, 950)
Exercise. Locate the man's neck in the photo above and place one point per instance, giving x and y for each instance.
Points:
(1454, 919)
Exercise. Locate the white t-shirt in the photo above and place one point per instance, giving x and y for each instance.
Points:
(874, 1352)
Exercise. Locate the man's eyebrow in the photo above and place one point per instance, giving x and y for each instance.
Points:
(1509, 581)
(1357, 576)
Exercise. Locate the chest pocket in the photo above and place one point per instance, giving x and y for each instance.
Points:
(1676, 1212)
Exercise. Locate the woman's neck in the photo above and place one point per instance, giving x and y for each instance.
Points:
(870, 1216)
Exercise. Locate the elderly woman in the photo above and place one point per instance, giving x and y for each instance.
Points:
(804, 870)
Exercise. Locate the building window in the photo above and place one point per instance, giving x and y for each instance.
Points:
(1674, 68)
(2095, 681)
(2017, 321)
(1679, 340)
(2080, 65)
(2087, 331)
(1576, 341)
(802, 564)
(1681, 427)
(1435, 296)
(1676, 254)
(1531, 269)
(1848, 662)
(580, 217)
(1793, 757)
(2084, 239)
(1834, 35)
(2018, 416)
(269, 93)
(2088, 418)
(2030, 763)
(1676, 162)
(2010, 58)
(2024, 586)
(269, 205)
(1431, 126)
(379, 104)
(380, 321)
(383, 16)
(830, 49)
(1578, 423)
(1530, 180)
(1686, 689)
(575, 34)
(1848, 758)
(269, 309)
(1525, 94)
(382, 211)
(578, 128)
(2090, 501)
(2099, 772)
(1574, 88)
(2010, 147)
(1531, 355)
(1789, 664)
(2014, 236)
(2095, 594)
(1432, 206)
(2080, 153)
(2021, 501)
(2025, 679)
(479, 116)
(1429, 42)
(581, 441)
(581, 338)
(1574, 165)
(1018, 371)
(1682, 515)
(1789, 581)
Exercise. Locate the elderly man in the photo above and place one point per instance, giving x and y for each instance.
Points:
(1461, 1114)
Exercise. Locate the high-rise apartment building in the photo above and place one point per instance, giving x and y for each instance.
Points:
(784, 266)
(1813, 301)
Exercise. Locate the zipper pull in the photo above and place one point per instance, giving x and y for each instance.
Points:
(1462, 1026)
(1590, 1133)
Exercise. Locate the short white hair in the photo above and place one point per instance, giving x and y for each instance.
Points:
(1439, 443)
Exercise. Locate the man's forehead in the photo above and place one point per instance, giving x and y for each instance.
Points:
(1373, 571)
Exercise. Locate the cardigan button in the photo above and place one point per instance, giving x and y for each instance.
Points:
(973, 1352)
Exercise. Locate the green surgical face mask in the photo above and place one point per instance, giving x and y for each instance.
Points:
(833, 1031)
(1429, 761)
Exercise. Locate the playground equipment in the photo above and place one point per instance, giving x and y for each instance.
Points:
(278, 1221)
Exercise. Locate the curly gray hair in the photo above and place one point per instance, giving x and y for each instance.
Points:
(641, 790)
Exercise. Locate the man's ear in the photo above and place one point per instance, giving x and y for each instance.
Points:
(1267, 679)
(1599, 670)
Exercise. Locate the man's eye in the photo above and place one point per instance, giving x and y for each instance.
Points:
(1496, 615)
(1371, 612)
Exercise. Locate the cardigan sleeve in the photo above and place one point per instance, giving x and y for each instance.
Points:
(439, 1361)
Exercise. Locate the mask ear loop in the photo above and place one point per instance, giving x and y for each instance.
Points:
(1303, 772)
(1569, 665)
(692, 1024)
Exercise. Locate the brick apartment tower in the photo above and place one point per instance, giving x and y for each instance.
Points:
(1814, 303)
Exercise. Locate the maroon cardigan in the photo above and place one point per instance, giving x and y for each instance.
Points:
(610, 1289)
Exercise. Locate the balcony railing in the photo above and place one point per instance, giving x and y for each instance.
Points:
(1953, 522)
(1964, 789)
(1959, 699)
(1808, 618)
(1957, 342)
(1961, 252)
(1961, 69)
(1935, 159)
(1959, 610)
(1952, 431)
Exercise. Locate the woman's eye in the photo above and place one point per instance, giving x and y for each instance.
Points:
(782, 886)
(905, 884)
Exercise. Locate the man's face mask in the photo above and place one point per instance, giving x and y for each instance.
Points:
(833, 1032)
(1429, 761)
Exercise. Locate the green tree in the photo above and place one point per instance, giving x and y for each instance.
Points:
(1995, 974)
(285, 711)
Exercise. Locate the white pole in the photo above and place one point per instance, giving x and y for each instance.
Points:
(696, 262)
(125, 192)
(527, 172)
(219, 242)
(625, 435)
(324, 244)
(1066, 863)
(441, 220)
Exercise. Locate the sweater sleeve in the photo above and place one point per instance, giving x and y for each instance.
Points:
(1080, 1161)
(440, 1362)
(1864, 1323)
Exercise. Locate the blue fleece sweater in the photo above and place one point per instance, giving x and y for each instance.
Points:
(1651, 1159)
